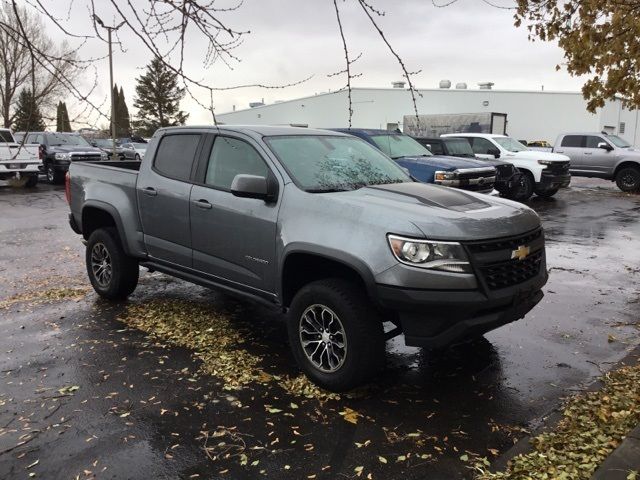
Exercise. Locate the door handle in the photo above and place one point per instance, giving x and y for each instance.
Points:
(152, 192)
(559, 151)
(588, 153)
(204, 204)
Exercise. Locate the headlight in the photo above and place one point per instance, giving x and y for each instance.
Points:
(444, 256)
(546, 162)
(440, 176)
(63, 156)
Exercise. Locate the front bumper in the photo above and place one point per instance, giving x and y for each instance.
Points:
(552, 181)
(437, 318)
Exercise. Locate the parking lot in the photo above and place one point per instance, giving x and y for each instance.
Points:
(85, 393)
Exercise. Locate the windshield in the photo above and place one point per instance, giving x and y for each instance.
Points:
(618, 142)
(459, 146)
(57, 139)
(510, 144)
(397, 146)
(321, 163)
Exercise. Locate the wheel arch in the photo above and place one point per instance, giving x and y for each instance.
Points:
(302, 264)
(96, 215)
(624, 163)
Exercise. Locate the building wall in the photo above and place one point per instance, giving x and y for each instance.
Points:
(533, 115)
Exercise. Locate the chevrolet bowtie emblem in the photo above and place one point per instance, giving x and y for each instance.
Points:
(521, 253)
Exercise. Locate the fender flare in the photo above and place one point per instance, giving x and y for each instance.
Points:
(111, 210)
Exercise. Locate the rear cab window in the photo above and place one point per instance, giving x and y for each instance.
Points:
(176, 154)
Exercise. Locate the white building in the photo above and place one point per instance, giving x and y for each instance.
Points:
(531, 115)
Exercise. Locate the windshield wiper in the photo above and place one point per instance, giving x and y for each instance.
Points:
(326, 190)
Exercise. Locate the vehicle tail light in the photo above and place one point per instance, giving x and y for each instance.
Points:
(67, 187)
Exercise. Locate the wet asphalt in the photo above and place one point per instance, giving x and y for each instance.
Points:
(83, 396)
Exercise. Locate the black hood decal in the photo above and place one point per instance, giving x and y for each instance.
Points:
(435, 196)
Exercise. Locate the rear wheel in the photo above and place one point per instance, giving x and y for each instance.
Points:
(628, 179)
(113, 274)
(32, 181)
(336, 336)
(547, 193)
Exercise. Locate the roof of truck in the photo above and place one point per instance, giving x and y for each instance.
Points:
(265, 130)
(464, 134)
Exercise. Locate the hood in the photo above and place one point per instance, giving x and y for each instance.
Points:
(73, 149)
(536, 155)
(445, 162)
(442, 213)
(631, 152)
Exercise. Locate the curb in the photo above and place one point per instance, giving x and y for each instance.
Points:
(623, 460)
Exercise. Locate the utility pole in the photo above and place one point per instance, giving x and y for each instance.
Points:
(113, 98)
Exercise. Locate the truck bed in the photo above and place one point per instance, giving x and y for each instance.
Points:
(106, 183)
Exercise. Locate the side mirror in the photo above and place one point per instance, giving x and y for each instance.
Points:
(254, 186)
(494, 151)
(605, 146)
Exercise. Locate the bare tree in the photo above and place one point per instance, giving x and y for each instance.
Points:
(162, 28)
(16, 63)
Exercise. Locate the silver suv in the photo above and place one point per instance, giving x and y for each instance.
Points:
(602, 156)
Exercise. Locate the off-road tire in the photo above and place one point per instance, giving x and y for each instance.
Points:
(362, 325)
(55, 177)
(547, 193)
(525, 189)
(32, 181)
(124, 270)
(628, 179)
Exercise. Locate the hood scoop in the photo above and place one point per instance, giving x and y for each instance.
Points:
(435, 196)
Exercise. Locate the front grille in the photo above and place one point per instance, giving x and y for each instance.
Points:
(505, 171)
(558, 168)
(512, 272)
(85, 157)
(475, 181)
(510, 243)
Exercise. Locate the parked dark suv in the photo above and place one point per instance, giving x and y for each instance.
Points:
(468, 174)
(507, 178)
(58, 150)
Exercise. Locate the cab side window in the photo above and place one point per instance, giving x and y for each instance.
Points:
(593, 141)
(230, 157)
(482, 146)
(575, 141)
(435, 148)
(176, 154)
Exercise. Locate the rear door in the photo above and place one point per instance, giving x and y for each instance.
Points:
(163, 198)
(573, 147)
(233, 238)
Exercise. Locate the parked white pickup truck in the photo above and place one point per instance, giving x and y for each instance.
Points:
(544, 172)
(19, 164)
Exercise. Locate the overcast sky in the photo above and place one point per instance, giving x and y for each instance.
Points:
(468, 41)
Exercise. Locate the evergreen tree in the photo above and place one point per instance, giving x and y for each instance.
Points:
(123, 123)
(158, 98)
(66, 124)
(115, 114)
(28, 117)
(59, 117)
(62, 118)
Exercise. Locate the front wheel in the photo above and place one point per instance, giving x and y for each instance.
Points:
(336, 336)
(53, 176)
(113, 274)
(547, 193)
(523, 190)
(628, 179)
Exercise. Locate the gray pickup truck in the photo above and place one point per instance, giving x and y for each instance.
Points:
(602, 156)
(318, 224)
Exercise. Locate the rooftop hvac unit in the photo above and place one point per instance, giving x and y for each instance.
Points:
(486, 85)
(445, 83)
(256, 104)
(461, 86)
(398, 84)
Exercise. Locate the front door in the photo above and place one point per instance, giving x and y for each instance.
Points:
(482, 147)
(163, 199)
(233, 238)
(597, 159)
